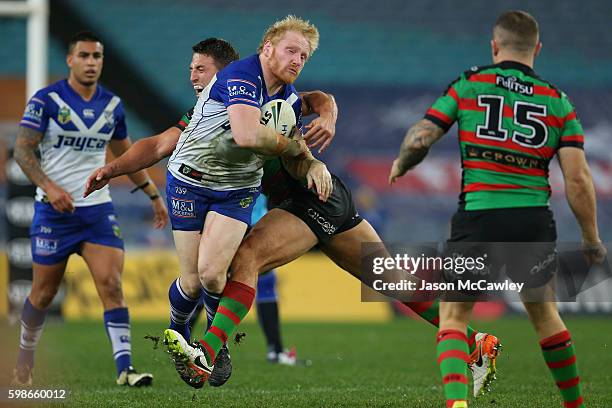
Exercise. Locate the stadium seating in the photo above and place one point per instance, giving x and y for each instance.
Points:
(385, 64)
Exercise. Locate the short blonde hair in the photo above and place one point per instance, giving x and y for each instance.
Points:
(291, 23)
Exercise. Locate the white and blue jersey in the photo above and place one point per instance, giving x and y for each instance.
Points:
(206, 154)
(208, 171)
(76, 133)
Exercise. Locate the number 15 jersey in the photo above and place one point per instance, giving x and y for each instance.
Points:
(511, 124)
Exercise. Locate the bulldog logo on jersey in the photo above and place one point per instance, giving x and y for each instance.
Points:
(109, 117)
(63, 115)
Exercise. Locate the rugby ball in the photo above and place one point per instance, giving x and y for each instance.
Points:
(278, 114)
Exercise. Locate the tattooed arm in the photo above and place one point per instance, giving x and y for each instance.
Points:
(25, 154)
(420, 137)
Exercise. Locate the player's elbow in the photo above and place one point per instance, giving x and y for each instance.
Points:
(20, 153)
(417, 143)
(164, 150)
(579, 177)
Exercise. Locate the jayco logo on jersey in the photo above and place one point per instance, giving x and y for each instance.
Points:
(45, 246)
(241, 87)
(183, 208)
(80, 143)
(514, 84)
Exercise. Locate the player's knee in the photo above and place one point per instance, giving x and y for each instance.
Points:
(110, 290)
(191, 285)
(42, 298)
(212, 279)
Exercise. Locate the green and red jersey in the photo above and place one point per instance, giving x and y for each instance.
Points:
(511, 124)
(185, 119)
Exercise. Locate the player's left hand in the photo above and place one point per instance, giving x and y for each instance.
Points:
(160, 213)
(396, 171)
(320, 132)
(319, 177)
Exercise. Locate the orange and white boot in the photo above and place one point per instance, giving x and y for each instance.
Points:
(483, 362)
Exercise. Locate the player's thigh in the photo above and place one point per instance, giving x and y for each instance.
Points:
(187, 245)
(345, 249)
(220, 240)
(105, 264)
(276, 239)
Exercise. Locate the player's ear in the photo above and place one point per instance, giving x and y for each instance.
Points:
(494, 48)
(538, 48)
(267, 49)
(69, 60)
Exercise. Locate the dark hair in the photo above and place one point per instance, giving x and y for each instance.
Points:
(82, 36)
(220, 50)
(518, 30)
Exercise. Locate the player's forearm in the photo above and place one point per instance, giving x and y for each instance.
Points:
(25, 155)
(142, 180)
(270, 143)
(419, 138)
(299, 165)
(318, 102)
(141, 155)
(580, 194)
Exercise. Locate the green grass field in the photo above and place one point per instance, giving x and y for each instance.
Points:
(353, 365)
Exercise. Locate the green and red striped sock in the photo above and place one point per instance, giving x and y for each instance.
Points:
(453, 358)
(430, 311)
(558, 351)
(234, 305)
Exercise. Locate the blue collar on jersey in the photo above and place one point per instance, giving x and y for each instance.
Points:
(74, 93)
(280, 93)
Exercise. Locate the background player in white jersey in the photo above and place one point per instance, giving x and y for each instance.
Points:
(209, 56)
(70, 123)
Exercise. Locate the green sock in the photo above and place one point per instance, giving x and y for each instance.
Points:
(453, 357)
(234, 305)
(560, 358)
